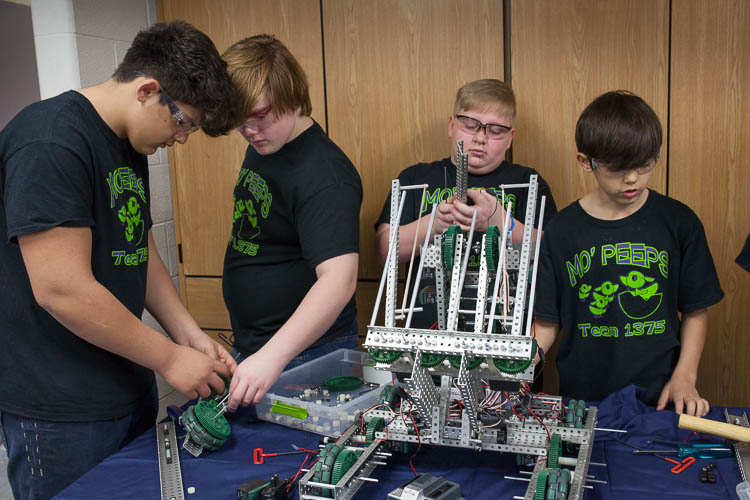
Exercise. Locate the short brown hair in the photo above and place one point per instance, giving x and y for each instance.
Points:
(620, 130)
(262, 65)
(487, 94)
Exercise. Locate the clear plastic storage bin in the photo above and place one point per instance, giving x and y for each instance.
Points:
(300, 398)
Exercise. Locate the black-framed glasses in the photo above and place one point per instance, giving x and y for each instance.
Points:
(183, 121)
(597, 165)
(491, 130)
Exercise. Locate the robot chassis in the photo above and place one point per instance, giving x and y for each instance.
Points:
(461, 358)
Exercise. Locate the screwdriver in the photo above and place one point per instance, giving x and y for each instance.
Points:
(702, 450)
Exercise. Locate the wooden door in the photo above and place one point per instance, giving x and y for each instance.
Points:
(709, 145)
(564, 53)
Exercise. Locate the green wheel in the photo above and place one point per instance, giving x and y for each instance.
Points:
(541, 485)
(207, 414)
(381, 356)
(343, 463)
(554, 451)
(491, 248)
(429, 359)
(345, 383)
(389, 396)
(374, 426)
(324, 467)
(449, 246)
(471, 364)
(515, 365)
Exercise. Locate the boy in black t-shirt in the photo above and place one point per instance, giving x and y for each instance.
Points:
(290, 267)
(625, 271)
(482, 118)
(79, 263)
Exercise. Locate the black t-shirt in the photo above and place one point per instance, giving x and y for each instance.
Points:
(616, 287)
(293, 210)
(63, 166)
(743, 259)
(440, 176)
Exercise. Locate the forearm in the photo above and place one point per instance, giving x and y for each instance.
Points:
(545, 334)
(163, 302)
(315, 314)
(407, 234)
(92, 313)
(693, 331)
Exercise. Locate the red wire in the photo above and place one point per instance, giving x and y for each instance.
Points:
(540, 421)
(419, 440)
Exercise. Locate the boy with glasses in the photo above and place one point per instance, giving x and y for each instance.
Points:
(79, 262)
(290, 268)
(482, 118)
(625, 271)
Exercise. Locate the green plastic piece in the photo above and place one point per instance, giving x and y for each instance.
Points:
(289, 410)
(491, 248)
(382, 356)
(555, 449)
(374, 426)
(516, 365)
(449, 246)
(389, 396)
(429, 359)
(207, 413)
(471, 364)
(343, 463)
(541, 485)
(345, 383)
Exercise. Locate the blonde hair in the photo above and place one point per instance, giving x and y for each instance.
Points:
(262, 65)
(487, 94)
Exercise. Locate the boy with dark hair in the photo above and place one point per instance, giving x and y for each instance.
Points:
(625, 271)
(79, 262)
(483, 116)
(290, 268)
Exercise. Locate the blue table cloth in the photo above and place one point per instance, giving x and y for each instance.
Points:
(133, 472)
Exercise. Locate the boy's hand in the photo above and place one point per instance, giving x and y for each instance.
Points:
(685, 396)
(489, 211)
(252, 379)
(213, 349)
(444, 216)
(193, 373)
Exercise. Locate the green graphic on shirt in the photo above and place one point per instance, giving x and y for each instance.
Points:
(440, 194)
(130, 217)
(583, 292)
(617, 254)
(249, 212)
(244, 212)
(603, 295)
(640, 300)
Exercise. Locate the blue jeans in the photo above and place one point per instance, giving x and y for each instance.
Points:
(45, 457)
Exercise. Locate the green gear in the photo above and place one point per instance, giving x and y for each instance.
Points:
(471, 364)
(563, 486)
(343, 463)
(515, 365)
(382, 356)
(449, 246)
(207, 414)
(491, 248)
(541, 485)
(345, 383)
(374, 426)
(554, 451)
(389, 396)
(429, 359)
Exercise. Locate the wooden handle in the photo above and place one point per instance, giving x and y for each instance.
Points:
(729, 431)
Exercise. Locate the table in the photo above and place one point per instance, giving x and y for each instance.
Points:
(133, 472)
